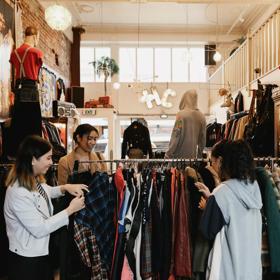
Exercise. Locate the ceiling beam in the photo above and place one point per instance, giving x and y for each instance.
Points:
(178, 29)
(222, 2)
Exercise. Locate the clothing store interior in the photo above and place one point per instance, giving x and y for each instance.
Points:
(140, 139)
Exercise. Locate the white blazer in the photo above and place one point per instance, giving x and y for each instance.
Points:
(29, 221)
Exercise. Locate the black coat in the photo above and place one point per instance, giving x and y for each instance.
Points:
(137, 136)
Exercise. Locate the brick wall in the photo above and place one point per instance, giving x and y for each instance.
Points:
(51, 42)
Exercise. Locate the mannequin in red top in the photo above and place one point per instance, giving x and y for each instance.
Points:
(26, 116)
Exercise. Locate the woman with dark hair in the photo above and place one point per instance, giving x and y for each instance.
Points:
(28, 210)
(85, 137)
(232, 216)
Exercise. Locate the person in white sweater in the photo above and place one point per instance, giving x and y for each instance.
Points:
(28, 210)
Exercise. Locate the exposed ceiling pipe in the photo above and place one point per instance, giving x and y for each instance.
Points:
(238, 19)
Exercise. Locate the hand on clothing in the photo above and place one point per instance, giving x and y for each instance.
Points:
(202, 203)
(75, 189)
(76, 204)
(203, 189)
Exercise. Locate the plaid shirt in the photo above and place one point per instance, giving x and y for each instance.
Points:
(99, 215)
(89, 252)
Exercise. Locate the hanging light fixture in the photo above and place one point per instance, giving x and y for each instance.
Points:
(217, 56)
(58, 17)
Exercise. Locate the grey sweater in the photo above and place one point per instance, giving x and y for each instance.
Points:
(188, 136)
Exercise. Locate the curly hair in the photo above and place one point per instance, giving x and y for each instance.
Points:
(237, 160)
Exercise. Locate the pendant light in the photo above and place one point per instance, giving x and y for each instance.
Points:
(217, 56)
(58, 17)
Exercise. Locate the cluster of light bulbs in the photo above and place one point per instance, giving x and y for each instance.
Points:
(148, 97)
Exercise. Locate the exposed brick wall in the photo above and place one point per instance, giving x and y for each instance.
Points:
(51, 42)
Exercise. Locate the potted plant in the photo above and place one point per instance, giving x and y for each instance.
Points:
(107, 67)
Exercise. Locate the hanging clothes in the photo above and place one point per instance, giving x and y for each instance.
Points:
(99, 215)
(271, 212)
(136, 137)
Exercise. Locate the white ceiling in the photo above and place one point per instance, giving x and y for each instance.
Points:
(226, 17)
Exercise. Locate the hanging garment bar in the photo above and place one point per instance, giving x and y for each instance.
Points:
(145, 160)
(168, 160)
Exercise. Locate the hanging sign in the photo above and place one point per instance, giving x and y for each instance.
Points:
(148, 97)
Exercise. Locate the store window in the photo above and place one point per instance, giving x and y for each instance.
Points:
(127, 60)
(180, 65)
(162, 64)
(198, 71)
(89, 54)
(145, 64)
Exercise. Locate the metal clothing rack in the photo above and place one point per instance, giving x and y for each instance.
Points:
(169, 160)
(144, 160)
(173, 160)
(271, 160)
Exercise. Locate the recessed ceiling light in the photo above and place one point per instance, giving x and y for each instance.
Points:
(85, 8)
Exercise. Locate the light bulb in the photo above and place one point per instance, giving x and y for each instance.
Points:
(58, 17)
(116, 85)
(217, 56)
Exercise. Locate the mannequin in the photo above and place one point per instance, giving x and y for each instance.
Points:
(136, 141)
(189, 133)
(26, 116)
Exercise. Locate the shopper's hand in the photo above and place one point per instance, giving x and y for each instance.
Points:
(203, 189)
(75, 205)
(75, 189)
(202, 203)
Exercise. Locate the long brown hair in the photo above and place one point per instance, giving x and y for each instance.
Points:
(31, 147)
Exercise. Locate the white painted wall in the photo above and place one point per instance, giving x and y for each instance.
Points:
(126, 99)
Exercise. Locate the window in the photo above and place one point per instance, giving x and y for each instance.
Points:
(179, 65)
(127, 61)
(87, 71)
(162, 64)
(89, 54)
(197, 67)
(99, 52)
(145, 64)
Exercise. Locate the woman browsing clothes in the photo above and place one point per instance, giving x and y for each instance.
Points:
(232, 216)
(85, 137)
(28, 210)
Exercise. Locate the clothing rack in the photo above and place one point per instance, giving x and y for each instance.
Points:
(144, 160)
(169, 160)
(174, 160)
(239, 114)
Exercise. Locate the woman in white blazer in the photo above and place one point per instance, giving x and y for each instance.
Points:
(29, 212)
